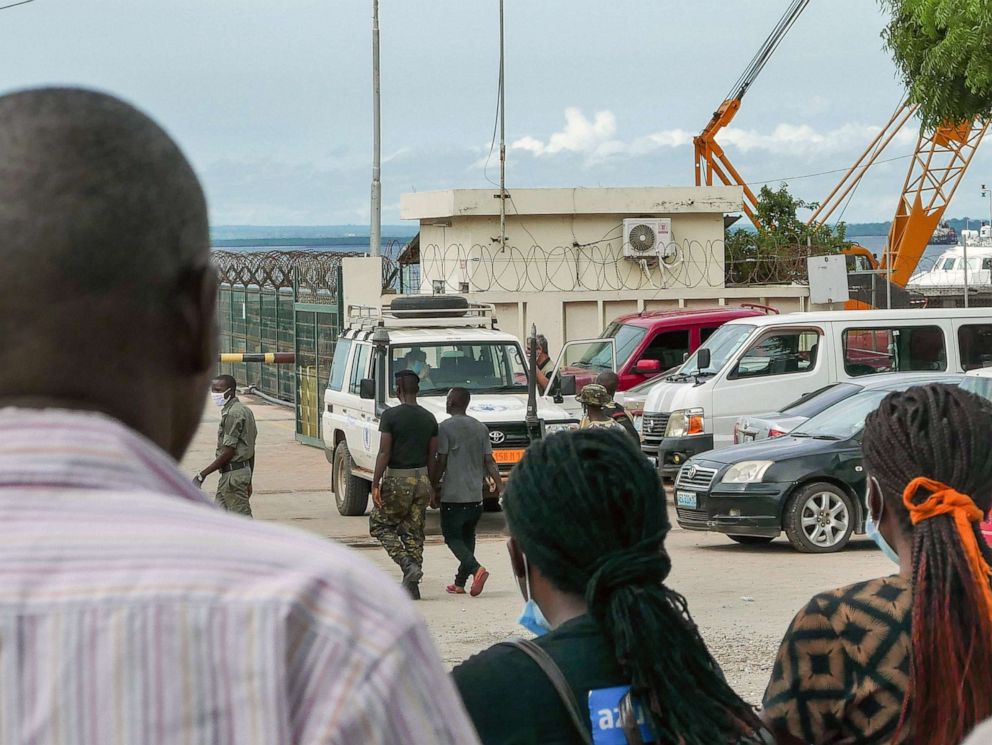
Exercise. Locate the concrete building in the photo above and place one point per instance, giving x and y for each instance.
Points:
(561, 239)
(563, 265)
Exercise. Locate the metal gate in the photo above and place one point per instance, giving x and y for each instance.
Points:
(317, 329)
(282, 302)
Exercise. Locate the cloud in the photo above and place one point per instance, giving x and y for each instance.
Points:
(596, 140)
(580, 135)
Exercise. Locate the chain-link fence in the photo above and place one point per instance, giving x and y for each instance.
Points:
(282, 301)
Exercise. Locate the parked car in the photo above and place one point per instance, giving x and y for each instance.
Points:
(649, 343)
(809, 483)
(778, 423)
(752, 365)
(633, 399)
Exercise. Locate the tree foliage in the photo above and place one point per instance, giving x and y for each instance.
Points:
(776, 253)
(943, 49)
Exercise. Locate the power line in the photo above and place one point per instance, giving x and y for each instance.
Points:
(826, 173)
(14, 5)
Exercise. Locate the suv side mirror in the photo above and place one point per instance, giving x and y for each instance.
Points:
(366, 389)
(647, 367)
(567, 387)
(702, 359)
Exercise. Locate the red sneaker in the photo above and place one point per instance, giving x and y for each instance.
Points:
(479, 581)
(454, 590)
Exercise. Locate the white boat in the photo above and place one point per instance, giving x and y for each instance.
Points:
(948, 271)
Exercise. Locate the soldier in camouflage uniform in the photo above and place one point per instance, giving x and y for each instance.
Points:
(235, 448)
(401, 484)
(595, 399)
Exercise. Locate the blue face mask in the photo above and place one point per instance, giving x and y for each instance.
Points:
(531, 617)
(872, 530)
(417, 366)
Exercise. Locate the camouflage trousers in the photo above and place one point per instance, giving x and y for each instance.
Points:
(399, 524)
(233, 491)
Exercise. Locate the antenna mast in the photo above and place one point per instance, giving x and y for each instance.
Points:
(375, 228)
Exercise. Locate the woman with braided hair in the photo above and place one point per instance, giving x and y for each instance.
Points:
(588, 549)
(906, 658)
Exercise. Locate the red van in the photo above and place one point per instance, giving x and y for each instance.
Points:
(654, 341)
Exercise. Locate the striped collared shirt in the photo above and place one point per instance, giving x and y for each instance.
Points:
(133, 611)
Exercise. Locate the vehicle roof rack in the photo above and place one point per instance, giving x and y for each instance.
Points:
(474, 315)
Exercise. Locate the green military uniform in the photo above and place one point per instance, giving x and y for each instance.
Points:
(405, 489)
(399, 524)
(237, 430)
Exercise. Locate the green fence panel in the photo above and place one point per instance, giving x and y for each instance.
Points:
(282, 302)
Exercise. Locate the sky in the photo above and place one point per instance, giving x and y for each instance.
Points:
(271, 101)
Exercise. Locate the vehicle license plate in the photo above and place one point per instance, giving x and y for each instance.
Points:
(686, 499)
(508, 456)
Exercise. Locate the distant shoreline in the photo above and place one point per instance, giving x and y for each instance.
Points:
(343, 243)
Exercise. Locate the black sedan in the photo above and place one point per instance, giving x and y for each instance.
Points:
(810, 484)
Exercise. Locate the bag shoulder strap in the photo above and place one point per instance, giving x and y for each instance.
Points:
(557, 679)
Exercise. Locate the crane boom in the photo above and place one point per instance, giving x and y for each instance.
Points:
(939, 162)
(711, 160)
(938, 165)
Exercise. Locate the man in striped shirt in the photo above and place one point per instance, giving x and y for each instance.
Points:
(131, 609)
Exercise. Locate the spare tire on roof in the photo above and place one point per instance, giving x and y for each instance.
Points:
(430, 306)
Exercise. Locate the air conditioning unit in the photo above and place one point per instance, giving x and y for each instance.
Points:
(647, 238)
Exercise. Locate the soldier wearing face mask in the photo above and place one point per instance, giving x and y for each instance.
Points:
(235, 448)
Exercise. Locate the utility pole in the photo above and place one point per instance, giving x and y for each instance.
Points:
(375, 228)
(502, 137)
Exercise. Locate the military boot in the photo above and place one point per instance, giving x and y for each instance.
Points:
(412, 572)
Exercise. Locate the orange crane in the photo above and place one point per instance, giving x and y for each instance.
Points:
(711, 160)
(938, 164)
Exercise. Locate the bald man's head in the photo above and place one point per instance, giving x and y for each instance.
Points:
(609, 381)
(94, 196)
(105, 256)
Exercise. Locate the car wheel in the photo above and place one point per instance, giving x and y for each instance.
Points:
(350, 492)
(751, 540)
(819, 519)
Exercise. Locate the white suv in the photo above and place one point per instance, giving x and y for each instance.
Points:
(450, 343)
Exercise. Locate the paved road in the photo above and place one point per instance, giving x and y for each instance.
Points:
(742, 597)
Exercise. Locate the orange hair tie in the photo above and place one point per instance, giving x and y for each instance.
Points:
(944, 500)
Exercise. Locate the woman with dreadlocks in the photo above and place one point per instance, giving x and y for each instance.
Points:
(588, 550)
(907, 658)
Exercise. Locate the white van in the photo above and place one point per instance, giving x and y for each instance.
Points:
(759, 364)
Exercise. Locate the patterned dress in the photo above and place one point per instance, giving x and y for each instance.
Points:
(842, 671)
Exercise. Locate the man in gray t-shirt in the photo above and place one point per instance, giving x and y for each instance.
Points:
(464, 463)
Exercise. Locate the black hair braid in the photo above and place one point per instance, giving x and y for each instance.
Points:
(942, 433)
(938, 431)
(587, 509)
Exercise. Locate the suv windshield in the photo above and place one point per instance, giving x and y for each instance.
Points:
(845, 420)
(600, 356)
(490, 367)
(724, 342)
